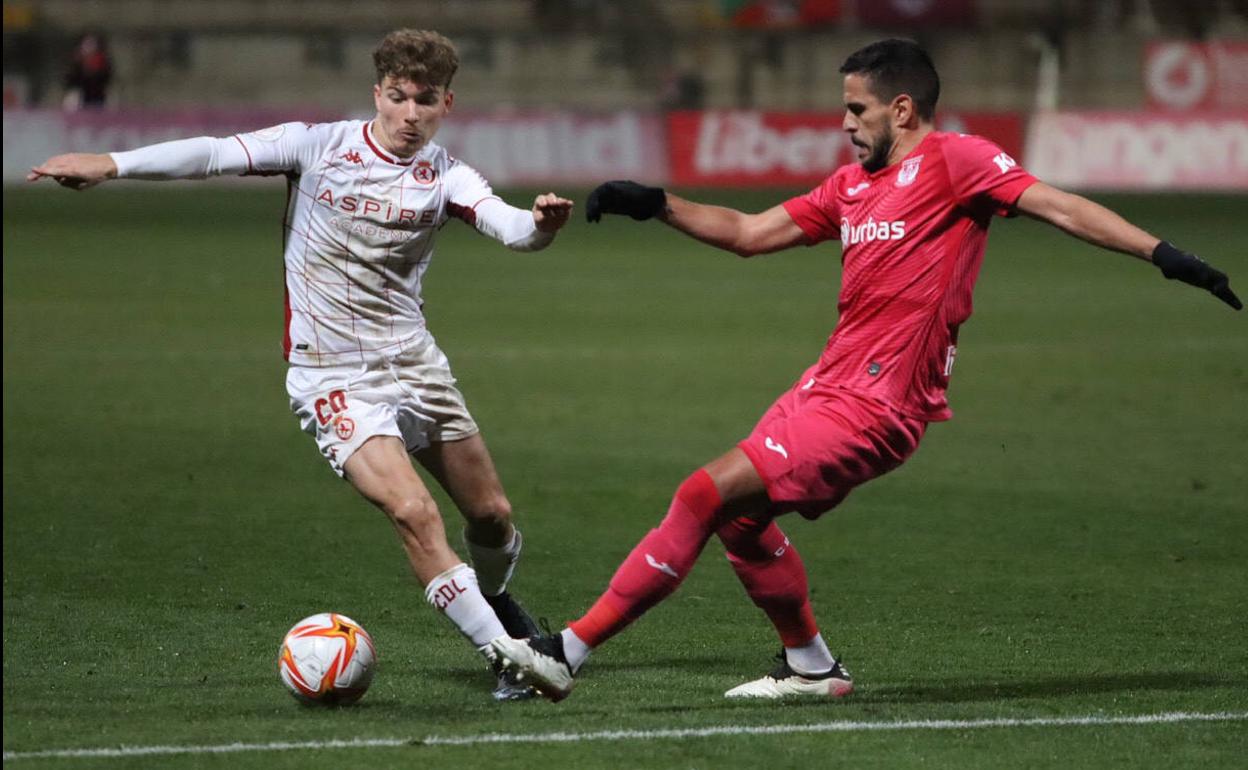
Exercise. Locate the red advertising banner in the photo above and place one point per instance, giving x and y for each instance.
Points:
(914, 13)
(1181, 75)
(1140, 151)
(788, 149)
(780, 13)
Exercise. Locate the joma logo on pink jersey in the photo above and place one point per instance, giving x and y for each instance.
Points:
(366, 206)
(871, 231)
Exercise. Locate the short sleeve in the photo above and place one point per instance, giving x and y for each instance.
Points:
(983, 175)
(280, 149)
(817, 212)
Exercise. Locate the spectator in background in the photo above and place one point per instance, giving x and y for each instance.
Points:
(90, 72)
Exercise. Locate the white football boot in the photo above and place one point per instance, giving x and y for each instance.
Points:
(539, 661)
(783, 682)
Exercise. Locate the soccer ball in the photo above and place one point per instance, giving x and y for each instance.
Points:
(327, 658)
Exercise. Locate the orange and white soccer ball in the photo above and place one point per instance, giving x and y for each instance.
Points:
(327, 658)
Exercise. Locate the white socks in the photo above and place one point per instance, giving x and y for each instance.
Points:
(811, 658)
(575, 650)
(455, 594)
(494, 565)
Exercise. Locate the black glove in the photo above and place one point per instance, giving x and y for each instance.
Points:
(1189, 268)
(638, 201)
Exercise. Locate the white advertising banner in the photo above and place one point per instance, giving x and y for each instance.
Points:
(1140, 150)
(540, 148)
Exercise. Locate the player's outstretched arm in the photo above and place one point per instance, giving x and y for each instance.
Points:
(725, 228)
(1099, 226)
(75, 170)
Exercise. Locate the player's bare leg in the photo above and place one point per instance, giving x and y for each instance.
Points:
(466, 471)
(381, 471)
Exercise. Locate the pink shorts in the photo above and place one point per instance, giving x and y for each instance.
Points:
(816, 443)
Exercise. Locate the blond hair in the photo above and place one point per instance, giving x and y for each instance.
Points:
(416, 55)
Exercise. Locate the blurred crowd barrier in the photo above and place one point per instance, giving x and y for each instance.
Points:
(1107, 150)
(1113, 94)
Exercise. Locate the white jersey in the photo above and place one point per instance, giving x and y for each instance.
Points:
(359, 227)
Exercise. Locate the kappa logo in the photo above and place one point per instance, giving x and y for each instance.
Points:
(851, 192)
(1004, 162)
(909, 171)
(351, 156)
(661, 566)
(777, 448)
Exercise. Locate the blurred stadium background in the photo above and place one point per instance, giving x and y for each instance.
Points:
(1120, 94)
(1072, 544)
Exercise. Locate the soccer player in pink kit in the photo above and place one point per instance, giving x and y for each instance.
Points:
(367, 380)
(912, 217)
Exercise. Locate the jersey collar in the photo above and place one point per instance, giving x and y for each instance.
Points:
(894, 166)
(374, 146)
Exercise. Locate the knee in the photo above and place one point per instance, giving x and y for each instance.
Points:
(414, 516)
(750, 540)
(491, 511)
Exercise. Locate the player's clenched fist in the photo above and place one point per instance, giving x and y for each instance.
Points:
(75, 170)
(551, 212)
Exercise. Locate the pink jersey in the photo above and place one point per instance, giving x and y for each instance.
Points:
(913, 237)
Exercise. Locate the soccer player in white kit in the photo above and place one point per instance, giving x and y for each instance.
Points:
(365, 202)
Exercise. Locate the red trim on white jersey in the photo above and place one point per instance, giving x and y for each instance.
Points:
(251, 168)
(290, 191)
(377, 151)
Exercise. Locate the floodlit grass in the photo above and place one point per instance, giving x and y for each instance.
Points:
(1074, 542)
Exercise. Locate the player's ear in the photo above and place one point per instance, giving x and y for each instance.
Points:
(902, 110)
(449, 99)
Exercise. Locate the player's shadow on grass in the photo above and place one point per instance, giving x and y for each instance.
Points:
(961, 690)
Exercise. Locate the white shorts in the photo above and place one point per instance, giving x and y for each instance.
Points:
(410, 395)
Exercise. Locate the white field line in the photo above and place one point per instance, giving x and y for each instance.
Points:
(1170, 717)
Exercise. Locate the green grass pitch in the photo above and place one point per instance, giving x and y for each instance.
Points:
(1073, 543)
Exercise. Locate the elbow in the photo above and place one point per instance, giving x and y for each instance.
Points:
(744, 248)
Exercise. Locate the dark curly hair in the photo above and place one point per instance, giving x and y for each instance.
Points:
(417, 55)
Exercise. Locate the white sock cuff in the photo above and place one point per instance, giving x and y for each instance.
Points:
(455, 594)
(574, 649)
(811, 658)
(460, 571)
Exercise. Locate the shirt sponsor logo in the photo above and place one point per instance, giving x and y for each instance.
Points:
(871, 231)
(909, 171)
(378, 209)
